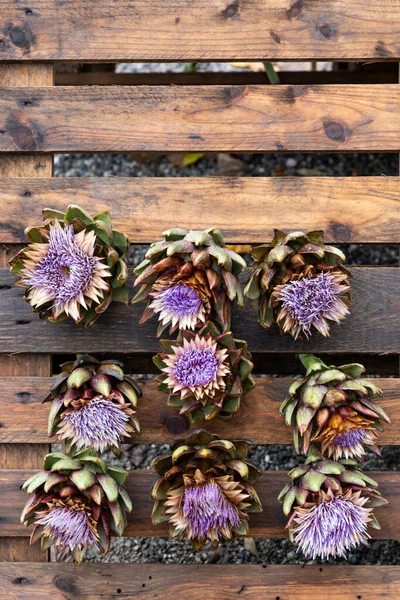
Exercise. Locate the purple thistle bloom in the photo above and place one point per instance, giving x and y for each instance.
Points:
(180, 301)
(332, 527)
(349, 439)
(178, 304)
(68, 527)
(206, 510)
(196, 366)
(312, 300)
(66, 271)
(98, 424)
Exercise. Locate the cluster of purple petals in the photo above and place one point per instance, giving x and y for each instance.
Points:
(68, 526)
(97, 423)
(66, 271)
(197, 366)
(331, 528)
(306, 300)
(350, 438)
(205, 509)
(181, 301)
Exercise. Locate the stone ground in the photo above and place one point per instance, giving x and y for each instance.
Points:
(143, 550)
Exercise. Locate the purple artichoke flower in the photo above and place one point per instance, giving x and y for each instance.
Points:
(311, 302)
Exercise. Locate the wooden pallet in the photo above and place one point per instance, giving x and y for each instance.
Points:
(346, 110)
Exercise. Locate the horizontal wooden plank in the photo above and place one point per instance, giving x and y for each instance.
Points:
(229, 78)
(23, 416)
(213, 118)
(201, 30)
(268, 524)
(372, 326)
(349, 209)
(173, 582)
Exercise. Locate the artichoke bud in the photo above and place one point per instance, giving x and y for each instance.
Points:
(72, 242)
(189, 486)
(70, 509)
(331, 409)
(329, 507)
(226, 359)
(93, 406)
(190, 277)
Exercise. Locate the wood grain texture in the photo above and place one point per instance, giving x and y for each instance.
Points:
(200, 30)
(200, 118)
(349, 209)
(21, 76)
(23, 416)
(372, 326)
(213, 582)
(25, 456)
(270, 523)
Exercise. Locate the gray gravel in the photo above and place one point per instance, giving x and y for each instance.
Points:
(144, 550)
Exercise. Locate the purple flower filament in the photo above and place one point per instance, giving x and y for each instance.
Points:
(308, 299)
(98, 424)
(331, 528)
(180, 301)
(196, 366)
(349, 439)
(66, 271)
(206, 509)
(68, 527)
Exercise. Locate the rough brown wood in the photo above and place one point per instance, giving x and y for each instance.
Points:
(270, 523)
(371, 328)
(23, 416)
(228, 78)
(349, 209)
(202, 30)
(214, 118)
(23, 455)
(213, 582)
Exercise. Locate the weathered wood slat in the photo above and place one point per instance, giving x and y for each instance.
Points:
(349, 209)
(201, 30)
(14, 166)
(23, 416)
(270, 523)
(173, 582)
(372, 326)
(215, 118)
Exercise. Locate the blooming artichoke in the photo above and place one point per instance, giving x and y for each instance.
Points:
(205, 488)
(205, 373)
(330, 506)
(74, 266)
(189, 278)
(335, 407)
(75, 502)
(300, 283)
(93, 404)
